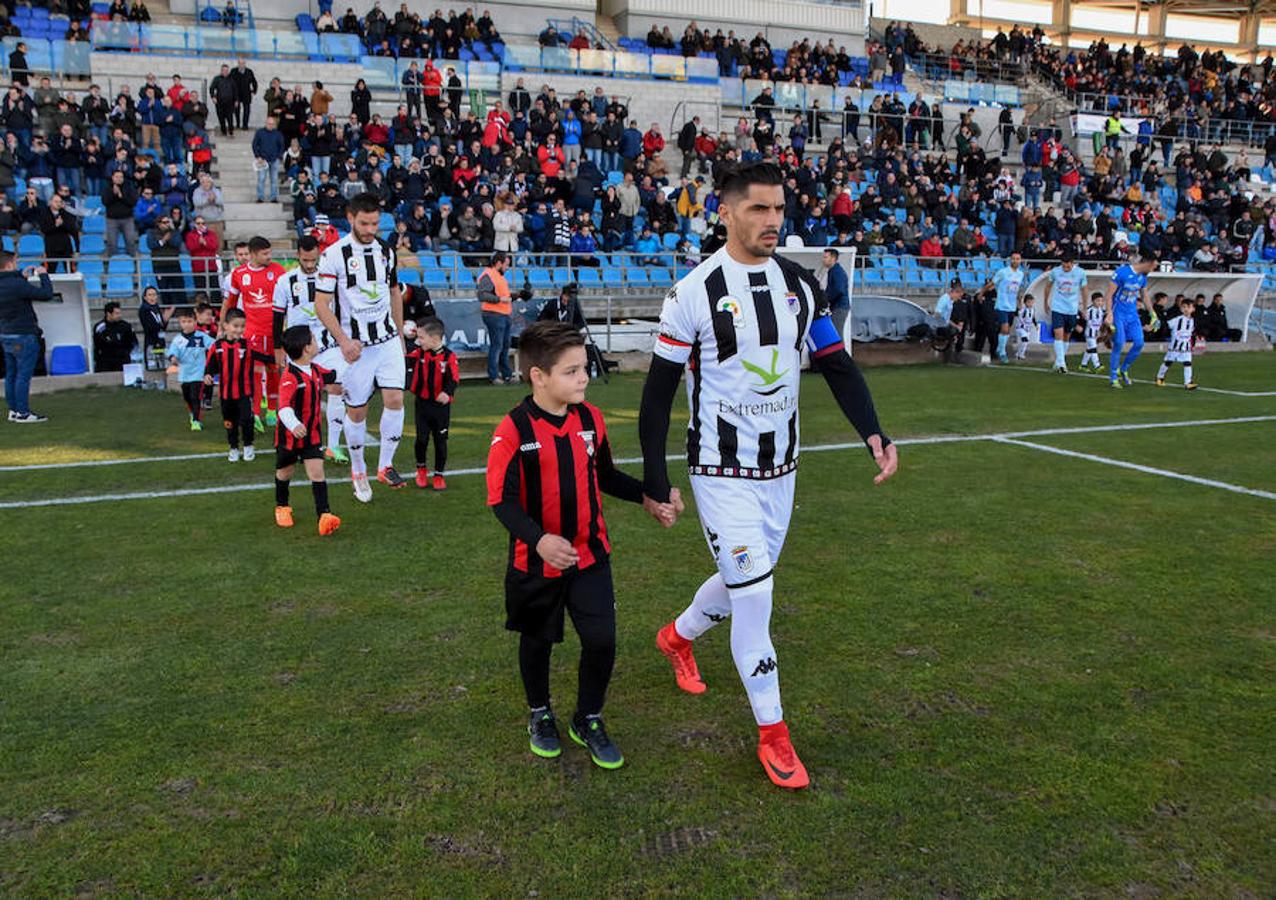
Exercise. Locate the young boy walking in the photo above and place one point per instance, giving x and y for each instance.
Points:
(235, 364)
(1182, 332)
(187, 353)
(435, 376)
(298, 435)
(549, 463)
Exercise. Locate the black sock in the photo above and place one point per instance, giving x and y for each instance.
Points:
(320, 490)
(533, 665)
(281, 491)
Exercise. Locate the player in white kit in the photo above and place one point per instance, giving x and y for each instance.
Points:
(1182, 332)
(294, 304)
(359, 302)
(1026, 328)
(1094, 316)
(737, 324)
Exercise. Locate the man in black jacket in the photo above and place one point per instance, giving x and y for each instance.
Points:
(20, 334)
(119, 198)
(565, 309)
(113, 340)
(225, 96)
(687, 143)
(166, 248)
(246, 90)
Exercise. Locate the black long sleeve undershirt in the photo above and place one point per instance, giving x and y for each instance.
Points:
(851, 392)
(653, 425)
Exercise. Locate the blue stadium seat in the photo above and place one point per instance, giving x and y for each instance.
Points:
(435, 279)
(31, 245)
(636, 276)
(94, 224)
(92, 243)
(464, 279)
(410, 276)
(120, 286)
(68, 359)
(590, 277)
(612, 275)
(428, 259)
(120, 265)
(660, 277)
(562, 276)
(539, 279)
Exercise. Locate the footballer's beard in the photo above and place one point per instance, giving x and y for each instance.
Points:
(759, 248)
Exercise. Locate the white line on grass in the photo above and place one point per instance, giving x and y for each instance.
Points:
(1004, 437)
(1075, 374)
(128, 460)
(1150, 470)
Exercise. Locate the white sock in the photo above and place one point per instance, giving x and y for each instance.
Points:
(1060, 348)
(1187, 373)
(710, 606)
(356, 436)
(1160, 373)
(336, 420)
(753, 651)
(391, 429)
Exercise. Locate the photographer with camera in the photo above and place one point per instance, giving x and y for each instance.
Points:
(20, 333)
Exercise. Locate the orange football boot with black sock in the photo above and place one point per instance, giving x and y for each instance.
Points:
(677, 649)
(778, 757)
(283, 516)
(328, 523)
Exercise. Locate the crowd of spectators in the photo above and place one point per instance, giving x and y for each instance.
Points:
(409, 34)
(136, 159)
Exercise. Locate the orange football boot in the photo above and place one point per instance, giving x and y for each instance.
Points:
(283, 516)
(778, 757)
(677, 649)
(328, 523)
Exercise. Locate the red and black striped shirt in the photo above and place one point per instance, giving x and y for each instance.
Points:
(545, 475)
(434, 372)
(234, 362)
(302, 390)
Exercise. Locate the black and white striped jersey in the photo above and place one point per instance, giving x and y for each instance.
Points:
(739, 329)
(359, 276)
(295, 298)
(1182, 328)
(1093, 320)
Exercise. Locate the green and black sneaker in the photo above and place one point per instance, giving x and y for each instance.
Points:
(589, 731)
(543, 729)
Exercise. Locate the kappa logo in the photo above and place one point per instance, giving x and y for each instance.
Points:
(743, 561)
(715, 617)
(713, 541)
(764, 667)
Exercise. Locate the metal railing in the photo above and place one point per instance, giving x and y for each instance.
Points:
(942, 66)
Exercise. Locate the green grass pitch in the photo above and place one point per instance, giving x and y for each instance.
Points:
(1010, 673)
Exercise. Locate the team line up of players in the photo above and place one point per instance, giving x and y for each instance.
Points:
(1114, 311)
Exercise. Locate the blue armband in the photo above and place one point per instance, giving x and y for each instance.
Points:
(823, 334)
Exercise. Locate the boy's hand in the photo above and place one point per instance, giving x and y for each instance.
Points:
(299, 430)
(557, 551)
(208, 379)
(664, 513)
(443, 397)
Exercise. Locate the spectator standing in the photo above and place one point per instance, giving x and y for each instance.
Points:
(245, 90)
(268, 151)
(154, 321)
(61, 232)
(225, 97)
(20, 334)
(19, 70)
(202, 243)
(166, 247)
(119, 198)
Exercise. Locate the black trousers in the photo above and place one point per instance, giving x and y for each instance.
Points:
(244, 107)
(226, 117)
(432, 420)
(535, 606)
(193, 394)
(237, 416)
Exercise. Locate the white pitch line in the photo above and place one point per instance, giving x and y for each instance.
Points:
(1136, 467)
(1004, 437)
(129, 460)
(1074, 373)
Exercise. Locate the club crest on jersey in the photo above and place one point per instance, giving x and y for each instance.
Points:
(352, 264)
(732, 306)
(794, 303)
(743, 561)
(588, 438)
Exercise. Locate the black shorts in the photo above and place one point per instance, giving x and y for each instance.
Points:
(535, 605)
(285, 457)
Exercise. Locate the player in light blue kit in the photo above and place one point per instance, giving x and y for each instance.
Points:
(1009, 281)
(1128, 288)
(1064, 285)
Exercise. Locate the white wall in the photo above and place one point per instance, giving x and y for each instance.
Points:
(649, 101)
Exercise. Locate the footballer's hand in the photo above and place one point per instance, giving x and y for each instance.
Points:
(208, 380)
(299, 430)
(675, 500)
(557, 551)
(351, 350)
(887, 458)
(444, 398)
(661, 512)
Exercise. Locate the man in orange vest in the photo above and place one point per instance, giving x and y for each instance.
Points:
(495, 304)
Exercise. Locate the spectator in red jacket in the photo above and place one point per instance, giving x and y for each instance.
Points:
(376, 132)
(202, 244)
(653, 142)
(432, 88)
(931, 248)
(706, 147)
(551, 157)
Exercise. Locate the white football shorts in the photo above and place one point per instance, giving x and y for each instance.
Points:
(745, 522)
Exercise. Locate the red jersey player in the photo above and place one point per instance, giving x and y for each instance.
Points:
(251, 287)
(297, 436)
